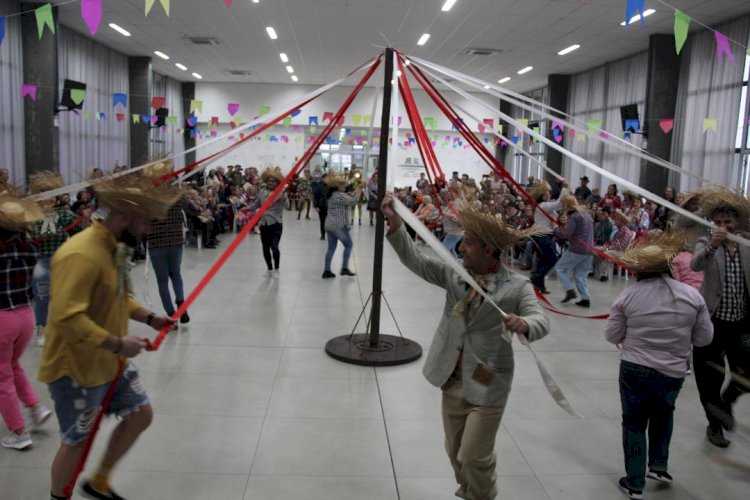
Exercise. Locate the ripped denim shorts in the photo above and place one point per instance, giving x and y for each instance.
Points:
(76, 407)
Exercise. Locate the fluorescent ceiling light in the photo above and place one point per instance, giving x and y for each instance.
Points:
(486, 87)
(290, 69)
(120, 30)
(271, 33)
(525, 70)
(181, 66)
(256, 1)
(294, 78)
(448, 5)
(568, 50)
(637, 17)
(504, 80)
(199, 77)
(284, 58)
(423, 39)
(162, 55)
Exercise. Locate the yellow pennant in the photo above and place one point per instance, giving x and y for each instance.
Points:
(150, 4)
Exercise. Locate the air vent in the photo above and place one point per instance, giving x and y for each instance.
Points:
(482, 52)
(236, 72)
(202, 40)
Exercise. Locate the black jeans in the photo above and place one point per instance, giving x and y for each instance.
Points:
(731, 339)
(323, 213)
(547, 258)
(648, 400)
(270, 236)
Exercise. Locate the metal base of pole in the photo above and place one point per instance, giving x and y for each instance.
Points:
(390, 350)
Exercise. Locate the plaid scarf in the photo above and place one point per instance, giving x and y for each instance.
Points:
(472, 300)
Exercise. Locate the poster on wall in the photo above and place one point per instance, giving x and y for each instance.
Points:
(407, 173)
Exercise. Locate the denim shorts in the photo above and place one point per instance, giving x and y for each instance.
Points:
(76, 407)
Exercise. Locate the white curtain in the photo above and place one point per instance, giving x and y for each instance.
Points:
(86, 141)
(709, 89)
(598, 94)
(165, 141)
(12, 152)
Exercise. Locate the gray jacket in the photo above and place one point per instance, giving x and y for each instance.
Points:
(714, 269)
(478, 336)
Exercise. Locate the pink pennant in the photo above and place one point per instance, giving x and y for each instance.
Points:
(489, 123)
(572, 133)
(228, 3)
(215, 120)
(666, 124)
(722, 47)
(158, 102)
(233, 107)
(327, 116)
(480, 126)
(556, 124)
(559, 138)
(28, 89)
(91, 11)
(154, 119)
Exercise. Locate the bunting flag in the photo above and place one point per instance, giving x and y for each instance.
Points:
(136, 118)
(710, 123)
(632, 125)
(119, 99)
(499, 129)
(171, 120)
(214, 121)
(237, 121)
(91, 11)
(558, 125)
(120, 117)
(327, 116)
(357, 119)
(44, 18)
(146, 119)
(27, 89)
(2, 29)
(287, 122)
(594, 124)
(537, 130)
(722, 47)
(681, 27)
(480, 128)
(430, 122)
(101, 116)
(191, 121)
(367, 119)
(233, 107)
(313, 120)
(264, 110)
(164, 3)
(85, 115)
(228, 3)
(489, 122)
(158, 102)
(631, 8)
(296, 113)
(666, 125)
(195, 104)
(77, 95)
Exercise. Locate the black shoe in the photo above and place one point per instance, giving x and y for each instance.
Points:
(346, 272)
(328, 274)
(184, 318)
(584, 303)
(659, 475)
(629, 491)
(545, 292)
(603, 279)
(723, 414)
(90, 492)
(322, 237)
(716, 437)
(569, 295)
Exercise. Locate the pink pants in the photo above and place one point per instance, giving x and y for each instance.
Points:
(16, 331)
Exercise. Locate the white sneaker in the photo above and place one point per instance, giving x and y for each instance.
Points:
(40, 332)
(39, 417)
(16, 441)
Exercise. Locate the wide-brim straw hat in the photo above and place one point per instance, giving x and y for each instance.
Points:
(717, 199)
(333, 180)
(161, 169)
(18, 214)
(490, 230)
(655, 253)
(538, 190)
(45, 181)
(137, 196)
(621, 216)
(272, 173)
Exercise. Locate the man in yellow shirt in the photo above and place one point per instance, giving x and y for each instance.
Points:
(87, 331)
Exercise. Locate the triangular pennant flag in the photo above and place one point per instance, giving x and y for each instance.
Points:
(164, 3)
(91, 11)
(580, 137)
(681, 27)
(146, 118)
(632, 125)
(710, 123)
(489, 122)
(120, 117)
(264, 110)
(154, 119)
(158, 102)
(237, 121)
(313, 120)
(523, 122)
(136, 118)
(340, 123)
(327, 116)
(27, 89)
(536, 129)
(666, 124)
(228, 3)
(296, 113)
(119, 99)
(594, 125)
(559, 138)
(631, 8)
(287, 122)
(195, 104)
(356, 119)
(214, 133)
(44, 18)
(499, 128)
(77, 95)
(480, 127)
(233, 107)
(2, 29)
(214, 121)
(722, 47)
(367, 119)
(101, 116)
(556, 124)
(85, 115)
(171, 120)
(430, 122)
(191, 121)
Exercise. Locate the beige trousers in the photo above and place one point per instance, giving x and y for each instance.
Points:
(470, 433)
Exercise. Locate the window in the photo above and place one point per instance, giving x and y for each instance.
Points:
(743, 131)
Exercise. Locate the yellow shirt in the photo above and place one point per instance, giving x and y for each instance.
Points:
(84, 309)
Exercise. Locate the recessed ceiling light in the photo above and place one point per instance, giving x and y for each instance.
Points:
(290, 69)
(256, 1)
(120, 30)
(423, 39)
(504, 80)
(525, 70)
(294, 78)
(181, 66)
(569, 50)
(284, 58)
(271, 33)
(199, 77)
(486, 87)
(448, 5)
(637, 17)
(162, 55)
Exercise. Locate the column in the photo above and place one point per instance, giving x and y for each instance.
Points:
(140, 78)
(558, 88)
(188, 94)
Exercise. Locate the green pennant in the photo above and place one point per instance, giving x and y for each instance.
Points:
(77, 95)
(681, 27)
(44, 18)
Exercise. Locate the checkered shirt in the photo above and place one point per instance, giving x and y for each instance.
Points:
(339, 211)
(733, 304)
(49, 241)
(17, 260)
(168, 232)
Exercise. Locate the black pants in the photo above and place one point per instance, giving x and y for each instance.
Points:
(323, 212)
(546, 259)
(731, 339)
(270, 236)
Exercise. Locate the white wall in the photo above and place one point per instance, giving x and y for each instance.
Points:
(261, 152)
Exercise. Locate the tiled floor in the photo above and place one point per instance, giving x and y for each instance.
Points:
(249, 406)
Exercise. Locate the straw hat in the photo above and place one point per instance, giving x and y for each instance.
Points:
(620, 216)
(722, 199)
(45, 181)
(272, 173)
(490, 230)
(137, 196)
(18, 214)
(655, 253)
(538, 190)
(333, 180)
(161, 169)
